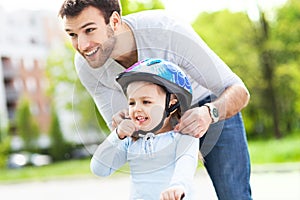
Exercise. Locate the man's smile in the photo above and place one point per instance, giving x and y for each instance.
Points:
(92, 52)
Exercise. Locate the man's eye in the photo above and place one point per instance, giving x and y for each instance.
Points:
(72, 35)
(89, 30)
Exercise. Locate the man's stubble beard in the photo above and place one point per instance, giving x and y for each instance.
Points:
(105, 50)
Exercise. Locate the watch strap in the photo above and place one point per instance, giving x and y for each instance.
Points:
(213, 111)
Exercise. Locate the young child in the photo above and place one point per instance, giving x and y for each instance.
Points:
(162, 162)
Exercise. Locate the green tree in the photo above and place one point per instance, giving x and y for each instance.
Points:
(27, 126)
(132, 6)
(236, 46)
(67, 90)
(2, 132)
(4, 151)
(59, 148)
(269, 101)
(5, 146)
(265, 54)
(3, 129)
(277, 44)
(285, 36)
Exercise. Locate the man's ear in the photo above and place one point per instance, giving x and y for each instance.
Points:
(115, 20)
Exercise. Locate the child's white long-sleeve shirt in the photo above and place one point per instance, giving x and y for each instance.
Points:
(169, 159)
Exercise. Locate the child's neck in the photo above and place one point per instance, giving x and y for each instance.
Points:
(164, 129)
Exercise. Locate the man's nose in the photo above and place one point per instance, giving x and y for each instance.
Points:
(83, 43)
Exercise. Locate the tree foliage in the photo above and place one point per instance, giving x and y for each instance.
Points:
(5, 147)
(67, 90)
(59, 147)
(27, 126)
(132, 6)
(235, 45)
(286, 47)
(265, 54)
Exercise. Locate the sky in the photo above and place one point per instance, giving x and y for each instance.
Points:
(190, 8)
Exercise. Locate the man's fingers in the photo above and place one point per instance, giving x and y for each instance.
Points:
(193, 129)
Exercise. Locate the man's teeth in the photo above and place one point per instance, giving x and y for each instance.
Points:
(91, 52)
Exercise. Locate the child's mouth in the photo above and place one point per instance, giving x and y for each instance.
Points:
(141, 119)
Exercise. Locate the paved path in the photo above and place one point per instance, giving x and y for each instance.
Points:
(266, 185)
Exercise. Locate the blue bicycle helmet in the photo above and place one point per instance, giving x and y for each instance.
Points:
(161, 72)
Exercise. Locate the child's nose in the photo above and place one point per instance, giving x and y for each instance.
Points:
(138, 107)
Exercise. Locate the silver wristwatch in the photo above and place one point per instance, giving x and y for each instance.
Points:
(213, 111)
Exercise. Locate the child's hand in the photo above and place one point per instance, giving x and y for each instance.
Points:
(173, 193)
(126, 128)
(119, 117)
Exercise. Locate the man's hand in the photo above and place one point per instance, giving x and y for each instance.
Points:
(173, 193)
(194, 122)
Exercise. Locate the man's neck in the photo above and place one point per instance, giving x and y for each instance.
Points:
(125, 52)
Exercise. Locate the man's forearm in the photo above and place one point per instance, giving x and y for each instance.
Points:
(233, 100)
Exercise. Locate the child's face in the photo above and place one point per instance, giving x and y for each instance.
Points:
(146, 104)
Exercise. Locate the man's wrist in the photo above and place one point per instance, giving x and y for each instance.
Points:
(213, 111)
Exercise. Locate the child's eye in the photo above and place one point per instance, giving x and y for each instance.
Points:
(146, 102)
(131, 103)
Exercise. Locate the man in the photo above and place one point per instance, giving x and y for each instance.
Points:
(107, 43)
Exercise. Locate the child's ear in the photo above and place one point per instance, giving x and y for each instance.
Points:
(172, 102)
(172, 105)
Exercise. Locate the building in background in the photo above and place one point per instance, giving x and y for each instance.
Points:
(26, 38)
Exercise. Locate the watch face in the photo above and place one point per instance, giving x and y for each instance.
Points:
(215, 112)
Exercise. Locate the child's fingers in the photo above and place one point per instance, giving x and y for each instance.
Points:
(175, 193)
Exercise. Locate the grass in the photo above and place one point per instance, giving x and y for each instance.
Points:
(275, 151)
(61, 169)
(261, 152)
